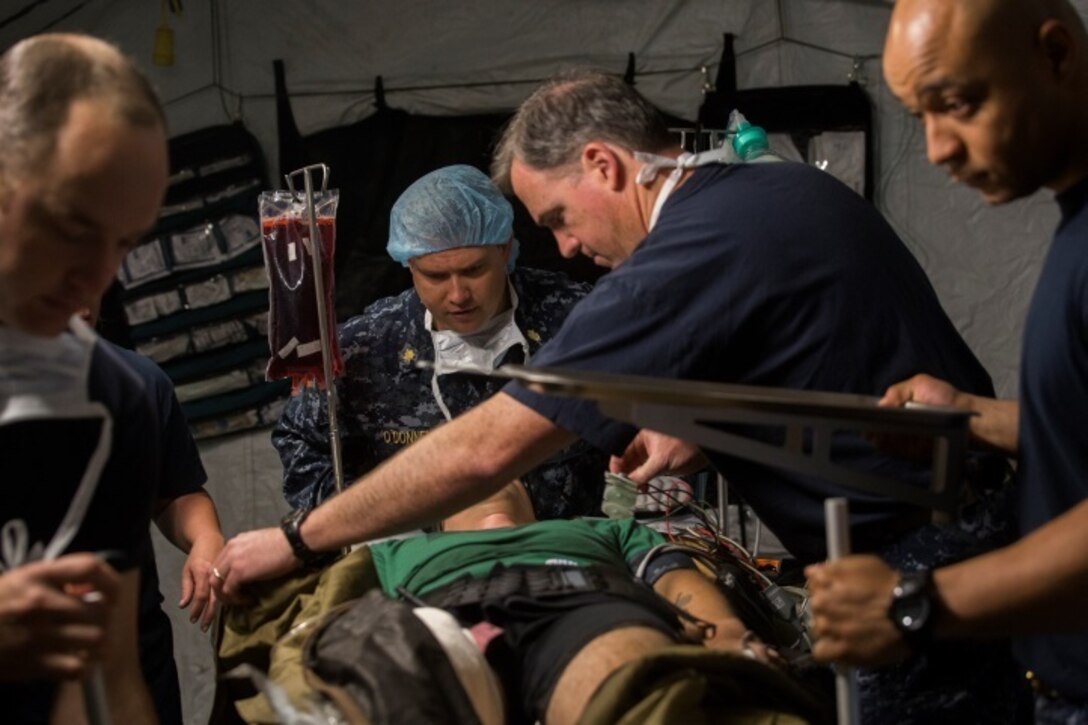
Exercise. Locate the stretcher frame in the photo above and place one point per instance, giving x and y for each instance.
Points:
(691, 410)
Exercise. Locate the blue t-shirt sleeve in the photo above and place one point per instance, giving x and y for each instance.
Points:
(181, 471)
(617, 328)
(123, 502)
(136, 465)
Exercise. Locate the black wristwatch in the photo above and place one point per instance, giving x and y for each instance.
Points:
(290, 526)
(912, 610)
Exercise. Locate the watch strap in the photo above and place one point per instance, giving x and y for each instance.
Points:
(913, 608)
(290, 525)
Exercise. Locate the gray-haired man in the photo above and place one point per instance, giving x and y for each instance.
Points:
(83, 171)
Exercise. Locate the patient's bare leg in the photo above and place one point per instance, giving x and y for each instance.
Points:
(593, 664)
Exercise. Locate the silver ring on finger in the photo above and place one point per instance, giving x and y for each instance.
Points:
(746, 645)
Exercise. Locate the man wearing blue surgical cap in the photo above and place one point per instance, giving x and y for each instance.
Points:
(468, 305)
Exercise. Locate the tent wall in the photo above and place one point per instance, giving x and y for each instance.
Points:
(482, 56)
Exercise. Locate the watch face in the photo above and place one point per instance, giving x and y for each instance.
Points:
(911, 605)
(912, 613)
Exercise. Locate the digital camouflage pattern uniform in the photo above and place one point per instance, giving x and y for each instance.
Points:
(952, 681)
(385, 401)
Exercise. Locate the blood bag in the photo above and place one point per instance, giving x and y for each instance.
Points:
(294, 337)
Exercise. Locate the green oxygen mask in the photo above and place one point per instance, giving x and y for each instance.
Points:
(749, 142)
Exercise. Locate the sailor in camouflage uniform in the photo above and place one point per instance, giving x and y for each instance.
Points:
(448, 219)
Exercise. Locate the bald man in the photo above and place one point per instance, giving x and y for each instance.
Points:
(1001, 87)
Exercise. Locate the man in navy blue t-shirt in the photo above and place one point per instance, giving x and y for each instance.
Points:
(83, 170)
(1002, 90)
(765, 273)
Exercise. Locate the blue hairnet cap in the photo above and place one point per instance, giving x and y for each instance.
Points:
(455, 206)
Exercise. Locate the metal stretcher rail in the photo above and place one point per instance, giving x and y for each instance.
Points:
(693, 410)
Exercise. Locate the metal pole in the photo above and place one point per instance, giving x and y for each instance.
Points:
(317, 253)
(838, 545)
(723, 508)
(94, 697)
(94, 686)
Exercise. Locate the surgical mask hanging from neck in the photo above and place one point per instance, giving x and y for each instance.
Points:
(748, 145)
(55, 368)
(481, 349)
(652, 164)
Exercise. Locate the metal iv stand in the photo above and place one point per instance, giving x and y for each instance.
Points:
(316, 253)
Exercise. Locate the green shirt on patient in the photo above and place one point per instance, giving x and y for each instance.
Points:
(425, 562)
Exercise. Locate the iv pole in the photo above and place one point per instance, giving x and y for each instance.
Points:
(316, 252)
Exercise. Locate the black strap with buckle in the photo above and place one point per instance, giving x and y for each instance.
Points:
(311, 560)
(532, 581)
(551, 581)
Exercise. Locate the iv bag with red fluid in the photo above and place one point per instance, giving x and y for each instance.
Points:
(294, 336)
